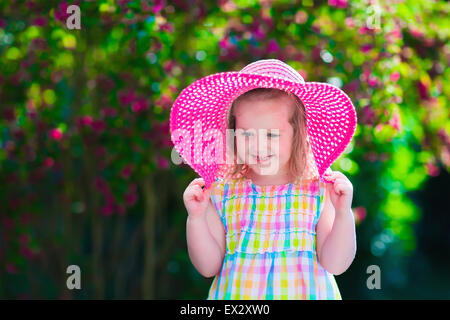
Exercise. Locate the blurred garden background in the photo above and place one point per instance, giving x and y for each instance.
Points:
(85, 153)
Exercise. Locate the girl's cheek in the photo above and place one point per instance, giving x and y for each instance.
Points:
(241, 153)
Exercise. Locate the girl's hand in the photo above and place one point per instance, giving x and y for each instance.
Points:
(341, 191)
(196, 199)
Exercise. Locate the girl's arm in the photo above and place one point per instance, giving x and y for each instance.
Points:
(336, 238)
(206, 241)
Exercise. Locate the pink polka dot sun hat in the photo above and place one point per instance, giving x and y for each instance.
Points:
(198, 118)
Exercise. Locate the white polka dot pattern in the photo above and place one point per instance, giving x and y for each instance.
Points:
(198, 116)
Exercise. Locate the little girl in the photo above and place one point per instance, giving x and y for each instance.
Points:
(281, 233)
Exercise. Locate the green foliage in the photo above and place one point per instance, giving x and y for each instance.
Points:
(84, 126)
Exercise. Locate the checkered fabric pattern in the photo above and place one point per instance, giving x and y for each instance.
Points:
(270, 241)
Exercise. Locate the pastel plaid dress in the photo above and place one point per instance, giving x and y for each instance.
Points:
(270, 241)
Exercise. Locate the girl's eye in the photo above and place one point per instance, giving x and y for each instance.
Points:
(271, 135)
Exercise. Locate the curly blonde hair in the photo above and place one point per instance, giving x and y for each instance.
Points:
(301, 163)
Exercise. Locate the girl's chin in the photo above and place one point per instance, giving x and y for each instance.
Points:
(264, 169)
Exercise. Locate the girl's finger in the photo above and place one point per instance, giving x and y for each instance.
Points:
(197, 189)
(340, 188)
(194, 190)
(206, 193)
(339, 179)
(198, 181)
(201, 194)
(340, 175)
(335, 174)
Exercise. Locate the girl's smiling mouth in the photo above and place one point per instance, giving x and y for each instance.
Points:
(262, 159)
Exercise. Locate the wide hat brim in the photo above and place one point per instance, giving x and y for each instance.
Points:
(202, 107)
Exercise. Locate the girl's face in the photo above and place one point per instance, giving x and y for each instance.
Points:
(264, 136)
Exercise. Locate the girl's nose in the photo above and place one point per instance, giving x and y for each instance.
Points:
(260, 153)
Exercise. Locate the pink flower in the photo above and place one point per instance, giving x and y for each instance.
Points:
(338, 3)
(223, 43)
(48, 162)
(108, 112)
(315, 53)
(130, 198)
(26, 252)
(368, 115)
(372, 81)
(366, 48)
(164, 101)
(396, 122)
(360, 214)
(303, 73)
(379, 127)
(99, 126)
(158, 5)
(101, 184)
(109, 197)
(139, 104)
(107, 209)
(162, 162)
(442, 134)
(432, 170)
(32, 114)
(352, 86)
(30, 4)
(167, 27)
(363, 30)
(87, 120)
(56, 134)
(349, 22)
(168, 65)
(61, 12)
(365, 75)
(259, 33)
(428, 42)
(395, 76)
(126, 96)
(11, 268)
(415, 32)
(272, 46)
(83, 121)
(423, 90)
(126, 171)
(39, 21)
(396, 33)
